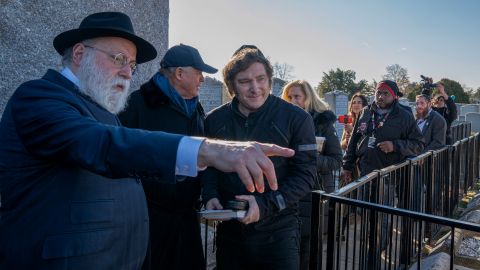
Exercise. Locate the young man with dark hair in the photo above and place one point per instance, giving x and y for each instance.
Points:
(268, 236)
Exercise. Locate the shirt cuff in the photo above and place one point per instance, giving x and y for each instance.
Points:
(187, 154)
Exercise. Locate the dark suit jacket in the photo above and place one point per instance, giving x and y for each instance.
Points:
(434, 131)
(67, 201)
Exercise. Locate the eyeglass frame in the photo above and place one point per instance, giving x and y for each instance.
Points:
(133, 65)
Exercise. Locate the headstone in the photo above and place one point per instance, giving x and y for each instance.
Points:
(27, 30)
(438, 261)
(405, 102)
(210, 94)
(469, 108)
(338, 103)
(277, 86)
(470, 249)
(473, 118)
(459, 107)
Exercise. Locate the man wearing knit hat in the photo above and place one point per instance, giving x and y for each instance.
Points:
(384, 134)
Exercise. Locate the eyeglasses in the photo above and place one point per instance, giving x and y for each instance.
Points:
(120, 60)
(357, 102)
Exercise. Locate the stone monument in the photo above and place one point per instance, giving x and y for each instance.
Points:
(210, 94)
(27, 30)
(469, 108)
(473, 118)
(277, 85)
(338, 103)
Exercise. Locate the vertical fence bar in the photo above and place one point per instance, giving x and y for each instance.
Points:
(315, 244)
(331, 236)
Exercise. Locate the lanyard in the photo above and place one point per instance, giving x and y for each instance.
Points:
(381, 121)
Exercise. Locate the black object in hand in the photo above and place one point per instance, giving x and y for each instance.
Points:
(237, 205)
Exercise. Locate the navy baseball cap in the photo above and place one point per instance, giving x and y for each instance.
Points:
(185, 56)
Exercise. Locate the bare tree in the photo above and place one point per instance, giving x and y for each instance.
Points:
(399, 75)
(282, 71)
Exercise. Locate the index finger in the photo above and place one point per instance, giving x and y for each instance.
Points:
(275, 150)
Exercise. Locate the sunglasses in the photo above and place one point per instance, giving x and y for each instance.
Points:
(120, 60)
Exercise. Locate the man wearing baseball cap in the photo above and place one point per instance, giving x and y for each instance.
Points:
(169, 102)
(71, 196)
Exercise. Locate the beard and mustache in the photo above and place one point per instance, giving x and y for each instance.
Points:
(101, 86)
(422, 114)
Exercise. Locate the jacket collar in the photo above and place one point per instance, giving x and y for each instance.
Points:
(154, 97)
(252, 115)
(395, 108)
(57, 78)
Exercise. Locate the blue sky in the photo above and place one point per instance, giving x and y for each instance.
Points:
(440, 39)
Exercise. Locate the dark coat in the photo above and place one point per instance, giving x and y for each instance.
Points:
(328, 162)
(174, 227)
(434, 131)
(61, 207)
(449, 112)
(149, 108)
(400, 128)
(331, 157)
(278, 122)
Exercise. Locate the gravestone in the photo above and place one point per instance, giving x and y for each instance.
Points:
(474, 118)
(27, 30)
(469, 108)
(210, 94)
(338, 103)
(405, 102)
(277, 86)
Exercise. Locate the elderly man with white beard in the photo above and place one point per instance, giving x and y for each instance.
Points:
(70, 189)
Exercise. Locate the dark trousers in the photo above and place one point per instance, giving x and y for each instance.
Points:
(175, 240)
(281, 253)
(305, 252)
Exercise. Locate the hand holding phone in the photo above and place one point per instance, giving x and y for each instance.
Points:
(345, 119)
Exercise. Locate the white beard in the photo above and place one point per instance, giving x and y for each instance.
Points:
(95, 83)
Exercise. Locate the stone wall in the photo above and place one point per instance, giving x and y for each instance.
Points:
(27, 30)
(210, 94)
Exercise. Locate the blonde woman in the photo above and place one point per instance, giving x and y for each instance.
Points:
(300, 93)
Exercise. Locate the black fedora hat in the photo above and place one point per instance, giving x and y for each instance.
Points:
(105, 24)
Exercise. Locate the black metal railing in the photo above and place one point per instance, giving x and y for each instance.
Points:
(431, 183)
(383, 245)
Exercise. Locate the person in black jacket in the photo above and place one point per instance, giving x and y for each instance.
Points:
(329, 159)
(71, 196)
(431, 123)
(268, 236)
(445, 106)
(384, 134)
(169, 102)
